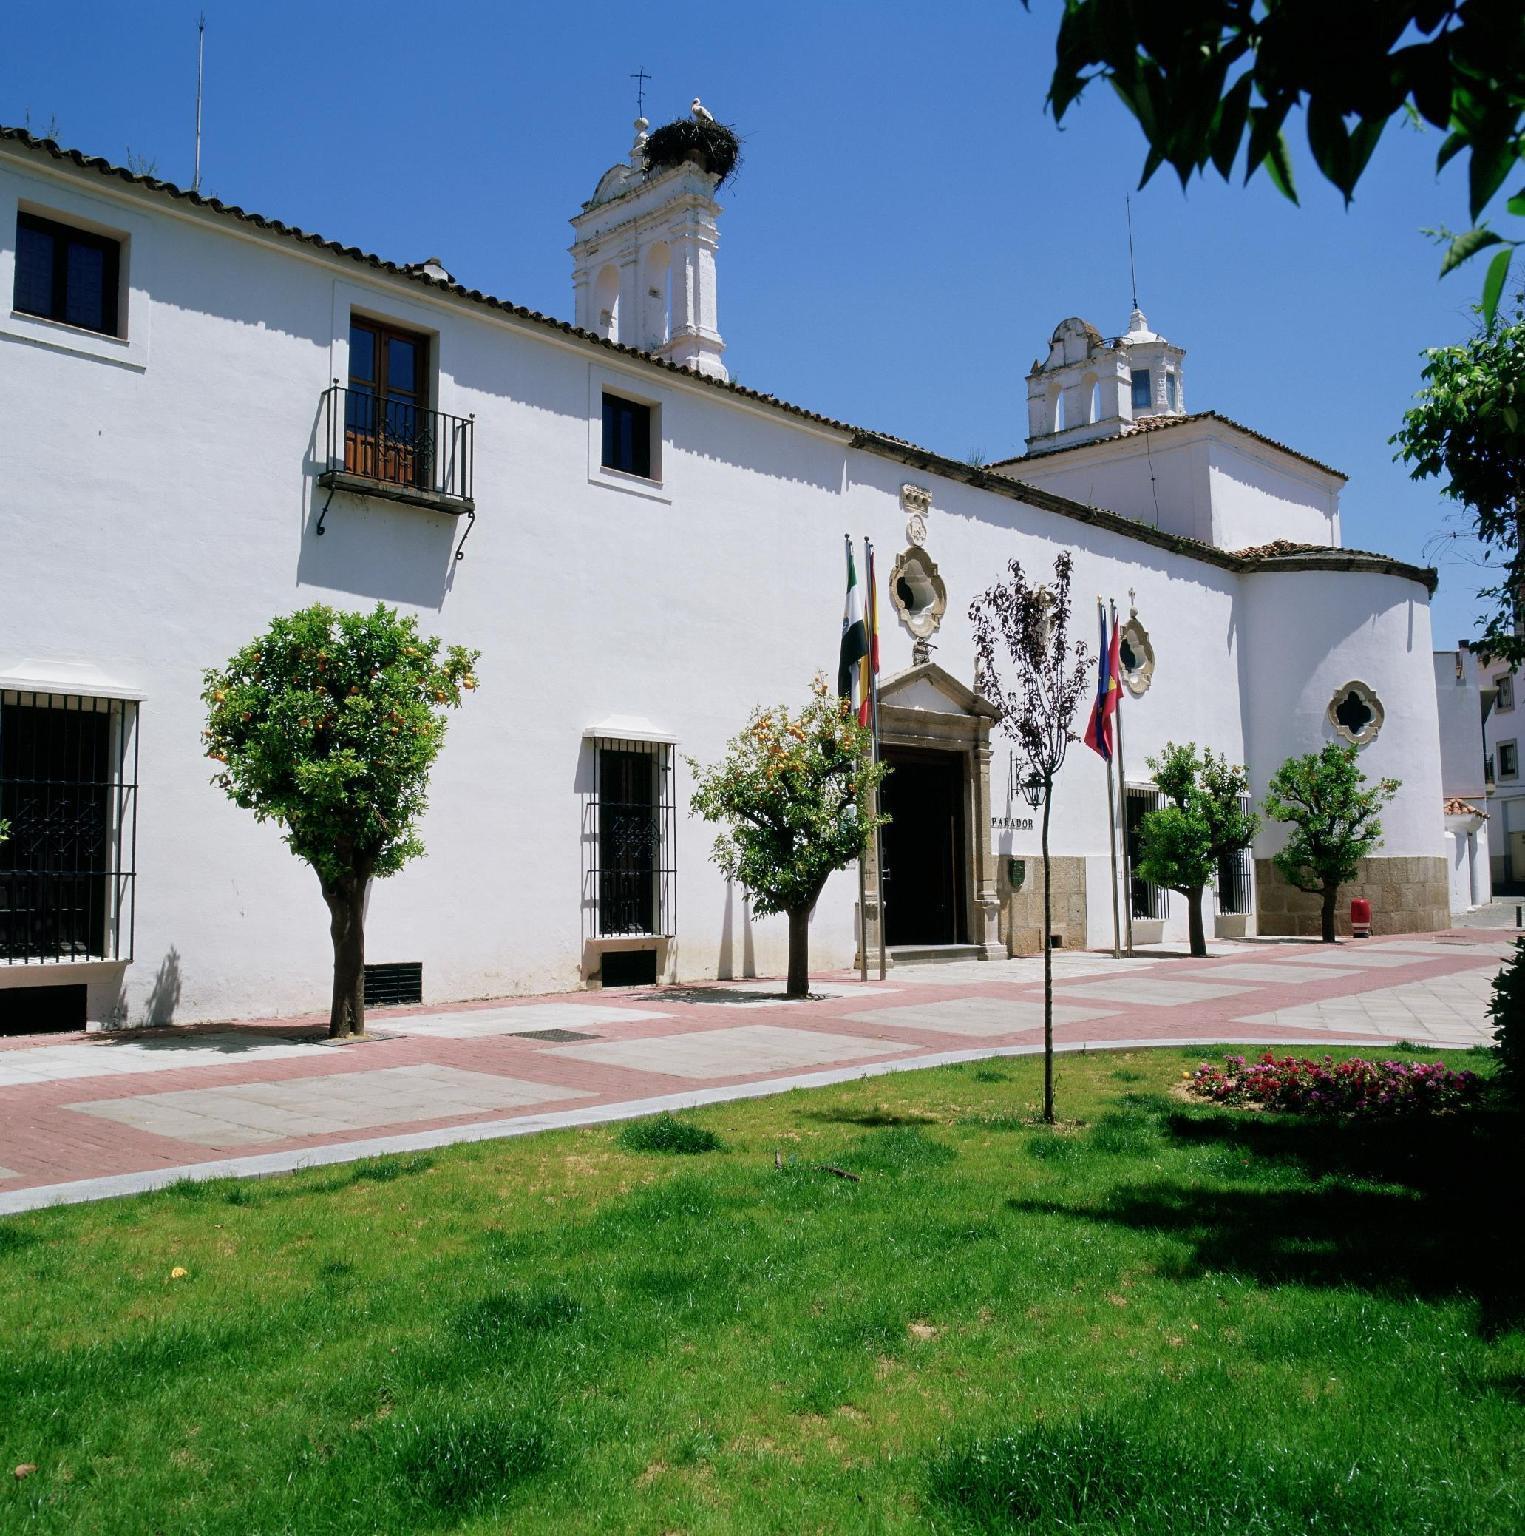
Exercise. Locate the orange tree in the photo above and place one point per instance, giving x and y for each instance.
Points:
(794, 796)
(327, 724)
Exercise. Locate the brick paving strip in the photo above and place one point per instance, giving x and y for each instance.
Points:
(83, 1119)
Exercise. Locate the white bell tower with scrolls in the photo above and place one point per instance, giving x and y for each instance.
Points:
(643, 262)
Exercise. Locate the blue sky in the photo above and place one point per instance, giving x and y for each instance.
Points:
(907, 228)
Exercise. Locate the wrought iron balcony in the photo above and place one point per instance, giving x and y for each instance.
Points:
(393, 448)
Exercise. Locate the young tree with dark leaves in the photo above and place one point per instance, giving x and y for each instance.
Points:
(1336, 821)
(1200, 827)
(328, 724)
(794, 795)
(1021, 638)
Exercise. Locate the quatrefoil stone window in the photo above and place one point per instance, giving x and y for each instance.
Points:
(1356, 713)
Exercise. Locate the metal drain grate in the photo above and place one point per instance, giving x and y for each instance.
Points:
(554, 1034)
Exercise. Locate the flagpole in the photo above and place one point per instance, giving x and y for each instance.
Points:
(873, 694)
(1117, 945)
(1117, 942)
(1122, 780)
(847, 541)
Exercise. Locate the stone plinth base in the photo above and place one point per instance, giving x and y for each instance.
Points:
(1407, 895)
(1021, 923)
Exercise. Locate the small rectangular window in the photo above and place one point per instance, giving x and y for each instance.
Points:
(1509, 760)
(65, 274)
(1141, 400)
(627, 436)
(1170, 389)
(1506, 693)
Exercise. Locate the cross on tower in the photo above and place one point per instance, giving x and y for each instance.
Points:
(640, 77)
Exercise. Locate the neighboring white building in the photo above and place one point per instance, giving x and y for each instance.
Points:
(1503, 741)
(1462, 706)
(212, 418)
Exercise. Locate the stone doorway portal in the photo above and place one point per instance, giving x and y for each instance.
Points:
(924, 892)
(940, 894)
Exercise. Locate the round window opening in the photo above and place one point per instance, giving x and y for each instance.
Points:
(918, 593)
(1136, 652)
(1356, 713)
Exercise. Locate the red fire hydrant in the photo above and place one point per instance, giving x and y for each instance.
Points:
(1360, 918)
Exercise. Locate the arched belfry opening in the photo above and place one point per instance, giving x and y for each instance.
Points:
(643, 261)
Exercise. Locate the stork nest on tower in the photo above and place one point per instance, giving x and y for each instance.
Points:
(711, 146)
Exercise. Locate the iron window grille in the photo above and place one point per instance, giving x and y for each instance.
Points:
(1234, 877)
(1149, 900)
(629, 839)
(69, 791)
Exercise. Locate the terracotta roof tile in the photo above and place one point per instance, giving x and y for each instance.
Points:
(1456, 806)
(1164, 424)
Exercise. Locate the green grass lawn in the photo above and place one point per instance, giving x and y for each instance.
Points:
(1160, 1317)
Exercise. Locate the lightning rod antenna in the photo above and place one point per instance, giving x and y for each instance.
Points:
(201, 38)
(1132, 271)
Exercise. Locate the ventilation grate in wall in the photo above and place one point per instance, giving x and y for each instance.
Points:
(389, 986)
(630, 968)
(39, 1010)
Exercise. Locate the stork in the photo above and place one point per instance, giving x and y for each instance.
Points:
(702, 113)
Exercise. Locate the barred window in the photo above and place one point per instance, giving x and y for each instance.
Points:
(629, 841)
(1234, 875)
(69, 794)
(1149, 900)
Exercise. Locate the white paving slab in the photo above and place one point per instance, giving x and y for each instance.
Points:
(252, 1113)
(976, 1016)
(62, 1063)
(1349, 954)
(476, 1023)
(1021, 972)
(729, 1052)
(768, 993)
(1153, 991)
(1450, 1010)
(1284, 972)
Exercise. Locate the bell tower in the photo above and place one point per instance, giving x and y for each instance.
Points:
(643, 262)
(1089, 387)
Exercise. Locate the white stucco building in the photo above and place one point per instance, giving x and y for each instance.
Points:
(212, 417)
(1464, 700)
(1503, 740)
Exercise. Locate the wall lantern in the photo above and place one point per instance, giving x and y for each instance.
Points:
(1032, 789)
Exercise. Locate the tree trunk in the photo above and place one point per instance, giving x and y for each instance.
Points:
(346, 926)
(1326, 915)
(1194, 921)
(1048, 969)
(799, 952)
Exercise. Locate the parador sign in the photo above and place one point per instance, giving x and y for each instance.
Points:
(1011, 823)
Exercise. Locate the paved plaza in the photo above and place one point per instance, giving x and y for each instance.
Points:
(86, 1117)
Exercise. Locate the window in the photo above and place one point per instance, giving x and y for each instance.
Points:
(1506, 693)
(387, 422)
(1141, 398)
(67, 274)
(1170, 388)
(1509, 760)
(1234, 876)
(1356, 713)
(627, 436)
(68, 788)
(629, 841)
(1148, 900)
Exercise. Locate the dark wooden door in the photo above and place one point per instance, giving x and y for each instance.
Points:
(386, 425)
(924, 848)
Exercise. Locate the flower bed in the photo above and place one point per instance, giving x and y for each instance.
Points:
(1328, 1087)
